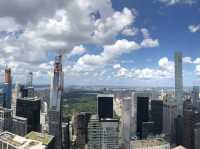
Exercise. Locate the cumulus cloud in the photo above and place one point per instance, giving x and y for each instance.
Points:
(165, 70)
(187, 60)
(130, 31)
(194, 28)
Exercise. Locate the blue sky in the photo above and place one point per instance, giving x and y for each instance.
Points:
(118, 42)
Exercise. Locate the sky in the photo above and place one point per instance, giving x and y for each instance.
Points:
(104, 42)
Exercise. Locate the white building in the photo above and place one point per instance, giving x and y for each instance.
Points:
(158, 143)
(12, 141)
(103, 134)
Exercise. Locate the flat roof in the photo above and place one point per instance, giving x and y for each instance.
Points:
(149, 142)
(44, 138)
(18, 141)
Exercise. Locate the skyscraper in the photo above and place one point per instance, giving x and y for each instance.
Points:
(29, 108)
(179, 83)
(7, 88)
(55, 109)
(139, 112)
(105, 105)
(195, 96)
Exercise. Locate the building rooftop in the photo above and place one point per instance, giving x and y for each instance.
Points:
(44, 138)
(20, 118)
(18, 141)
(149, 143)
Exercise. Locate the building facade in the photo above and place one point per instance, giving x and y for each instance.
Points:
(55, 108)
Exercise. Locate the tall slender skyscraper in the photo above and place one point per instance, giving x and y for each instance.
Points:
(55, 108)
(179, 83)
(7, 88)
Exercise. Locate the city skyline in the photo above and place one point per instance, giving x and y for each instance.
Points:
(113, 42)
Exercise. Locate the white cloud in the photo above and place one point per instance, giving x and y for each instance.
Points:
(165, 70)
(198, 70)
(130, 31)
(187, 60)
(194, 28)
(173, 2)
(77, 50)
(150, 43)
(197, 61)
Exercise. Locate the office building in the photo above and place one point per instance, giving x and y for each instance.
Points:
(105, 105)
(103, 134)
(195, 96)
(5, 119)
(157, 115)
(140, 112)
(12, 141)
(196, 135)
(29, 108)
(126, 120)
(55, 108)
(45, 139)
(157, 143)
(19, 125)
(169, 116)
(81, 127)
(7, 89)
(66, 135)
(179, 83)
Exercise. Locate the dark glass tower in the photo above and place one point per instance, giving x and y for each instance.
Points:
(157, 115)
(142, 113)
(29, 108)
(105, 106)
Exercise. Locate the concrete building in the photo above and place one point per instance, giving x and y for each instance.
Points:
(19, 125)
(105, 105)
(139, 112)
(179, 83)
(81, 129)
(12, 141)
(55, 108)
(157, 143)
(47, 140)
(169, 116)
(29, 108)
(103, 134)
(5, 119)
(126, 120)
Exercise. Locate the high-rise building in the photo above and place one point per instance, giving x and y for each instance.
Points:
(157, 143)
(179, 83)
(66, 135)
(140, 112)
(197, 136)
(169, 115)
(29, 108)
(29, 80)
(5, 119)
(81, 127)
(55, 108)
(157, 115)
(12, 141)
(195, 96)
(7, 89)
(105, 105)
(103, 133)
(19, 125)
(126, 120)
